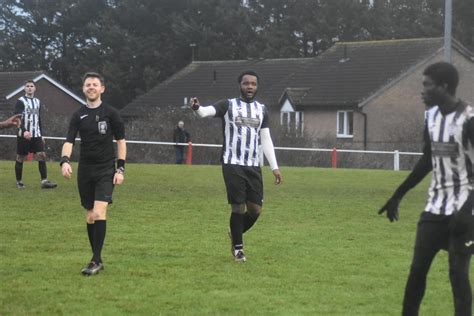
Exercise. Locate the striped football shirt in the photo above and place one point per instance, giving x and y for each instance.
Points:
(242, 122)
(452, 157)
(29, 108)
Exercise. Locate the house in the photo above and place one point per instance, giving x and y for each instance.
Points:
(58, 102)
(367, 95)
(356, 95)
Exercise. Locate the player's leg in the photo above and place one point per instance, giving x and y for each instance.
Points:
(99, 214)
(416, 283)
(237, 230)
(22, 149)
(19, 170)
(431, 237)
(86, 186)
(459, 264)
(37, 147)
(460, 252)
(102, 198)
(254, 196)
(251, 216)
(236, 196)
(90, 229)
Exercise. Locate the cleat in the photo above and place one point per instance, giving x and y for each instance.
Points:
(46, 184)
(92, 268)
(232, 250)
(240, 256)
(20, 185)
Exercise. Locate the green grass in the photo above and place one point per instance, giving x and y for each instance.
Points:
(319, 247)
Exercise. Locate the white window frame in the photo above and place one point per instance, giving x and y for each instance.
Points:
(345, 125)
(297, 117)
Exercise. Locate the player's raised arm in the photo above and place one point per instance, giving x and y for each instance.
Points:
(202, 111)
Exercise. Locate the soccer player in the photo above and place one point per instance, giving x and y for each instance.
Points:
(245, 126)
(98, 124)
(29, 137)
(14, 120)
(448, 219)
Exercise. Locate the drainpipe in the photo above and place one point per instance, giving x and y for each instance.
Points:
(365, 127)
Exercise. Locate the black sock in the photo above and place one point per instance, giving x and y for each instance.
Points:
(18, 170)
(42, 169)
(90, 234)
(237, 229)
(99, 237)
(249, 220)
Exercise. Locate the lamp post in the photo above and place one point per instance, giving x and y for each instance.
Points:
(193, 46)
(448, 12)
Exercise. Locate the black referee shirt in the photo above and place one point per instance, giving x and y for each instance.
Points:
(97, 128)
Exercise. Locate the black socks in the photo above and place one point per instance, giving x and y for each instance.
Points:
(18, 170)
(96, 233)
(90, 234)
(249, 220)
(237, 229)
(42, 169)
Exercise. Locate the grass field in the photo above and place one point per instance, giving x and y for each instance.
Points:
(319, 248)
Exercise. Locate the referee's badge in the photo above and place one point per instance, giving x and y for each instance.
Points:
(103, 127)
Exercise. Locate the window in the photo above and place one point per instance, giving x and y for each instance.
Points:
(345, 124)
(294, 122)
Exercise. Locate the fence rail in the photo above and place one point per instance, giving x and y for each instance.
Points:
(396, 154)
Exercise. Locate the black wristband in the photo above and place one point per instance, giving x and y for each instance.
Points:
(121, 163)
(64, 159)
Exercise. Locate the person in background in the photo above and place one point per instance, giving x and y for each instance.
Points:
(180, 135)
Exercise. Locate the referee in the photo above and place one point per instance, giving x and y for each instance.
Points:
(448, 219)
(245, 127)
(98, 124)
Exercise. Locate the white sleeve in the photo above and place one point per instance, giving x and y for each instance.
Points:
(206, 111)
(268, 149)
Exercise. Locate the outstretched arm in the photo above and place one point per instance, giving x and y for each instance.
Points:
(202, 111)
(11, 121)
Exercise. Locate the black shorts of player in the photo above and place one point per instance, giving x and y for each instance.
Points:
(95, 183)
(243, 184)
(25, 146)
(440, 232)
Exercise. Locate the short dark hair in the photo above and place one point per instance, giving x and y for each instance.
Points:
(30, 81)
(247, 72)
(443, 72)
(92, 74)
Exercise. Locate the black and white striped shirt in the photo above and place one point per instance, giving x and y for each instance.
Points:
(452, 157)
(29, 108)
(242, 122)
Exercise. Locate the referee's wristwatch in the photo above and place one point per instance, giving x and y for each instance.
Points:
(120, 170)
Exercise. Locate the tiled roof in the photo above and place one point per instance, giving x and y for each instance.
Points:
(9, 81)
(214, 80)
(346, 74)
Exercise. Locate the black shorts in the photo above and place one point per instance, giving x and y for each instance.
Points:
(243, 184)
(440, 232)
(95, 183)
(25, 146)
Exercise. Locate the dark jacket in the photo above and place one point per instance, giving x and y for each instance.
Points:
(180, 135)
